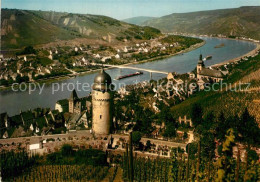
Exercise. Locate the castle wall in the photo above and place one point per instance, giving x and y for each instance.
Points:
(101, 106)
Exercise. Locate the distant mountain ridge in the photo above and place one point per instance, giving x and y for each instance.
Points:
(23, 27)
(139, 20)
(243, 21)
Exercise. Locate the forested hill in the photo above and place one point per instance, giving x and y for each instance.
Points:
(243, 21)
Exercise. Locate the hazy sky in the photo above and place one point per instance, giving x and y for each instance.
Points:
(121, 9)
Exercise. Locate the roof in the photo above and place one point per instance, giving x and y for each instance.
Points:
(200, 60)
(17, 120)
(41, 122)
(3, 118)
(211, 73)
(27, 115)
(102, 81)
(74, 95)
(63, 101)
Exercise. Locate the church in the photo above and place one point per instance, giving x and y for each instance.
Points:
(208, 74)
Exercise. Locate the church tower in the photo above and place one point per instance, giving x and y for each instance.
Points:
(102, 100)
(72, 99)
(200, 64)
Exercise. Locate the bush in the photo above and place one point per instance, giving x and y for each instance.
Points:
(66, 150)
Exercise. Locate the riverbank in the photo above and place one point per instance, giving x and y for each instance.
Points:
(65, 77)
(249, 54)
(193, 47)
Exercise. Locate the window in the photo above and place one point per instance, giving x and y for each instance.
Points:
(100, 116)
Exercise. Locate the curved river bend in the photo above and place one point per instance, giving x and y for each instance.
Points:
(13, 102)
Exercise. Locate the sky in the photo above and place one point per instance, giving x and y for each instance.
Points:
(122, 9)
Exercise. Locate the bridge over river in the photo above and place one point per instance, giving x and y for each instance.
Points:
(133, 68)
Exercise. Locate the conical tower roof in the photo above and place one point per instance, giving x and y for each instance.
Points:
(200, 60)
(73, 95)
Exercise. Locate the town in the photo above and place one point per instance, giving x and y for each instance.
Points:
(89, 94)
(32, 65)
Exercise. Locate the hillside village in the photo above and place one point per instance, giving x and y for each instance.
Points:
(33, 65)
(74, 113)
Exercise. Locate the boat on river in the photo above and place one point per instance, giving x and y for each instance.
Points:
(130, 75)
(207, 57)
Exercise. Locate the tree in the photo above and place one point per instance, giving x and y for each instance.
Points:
(196, 114)
(224, 163)
(66, 150)
(136, 137)
(28, 50)
(185, 135)
(170, 130)
(248, 129)
(148, 145)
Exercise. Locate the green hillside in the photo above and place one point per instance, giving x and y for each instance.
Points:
(229, 102)
(243, 21)
(139, 20)
(22, 28)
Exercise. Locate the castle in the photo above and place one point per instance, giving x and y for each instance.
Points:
(102, 98)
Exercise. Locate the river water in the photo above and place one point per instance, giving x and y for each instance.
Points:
(14, 102)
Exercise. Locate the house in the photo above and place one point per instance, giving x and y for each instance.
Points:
(192, 75)
(117, 56)
(27, 118)
(123, 91)
(5, 135)
(62, 105)
(41, 122)
(4, 120)
(125, 49)
(36, 146)
(13, 76)
(50, 57)
(170, 76)
(179, 81)
(96, 55)
(155, 107)
(104, 59)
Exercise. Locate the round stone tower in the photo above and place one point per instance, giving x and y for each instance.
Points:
(102, 100)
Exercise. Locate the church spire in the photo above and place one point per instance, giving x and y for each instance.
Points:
(200, 56)
(73, 95)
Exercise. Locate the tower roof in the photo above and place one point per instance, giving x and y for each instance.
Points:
(200, 60)
(74, 95)
(102, 81)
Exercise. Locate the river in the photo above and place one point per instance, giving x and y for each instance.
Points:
(14, 102)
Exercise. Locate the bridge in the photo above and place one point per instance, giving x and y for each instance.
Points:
(133, 68)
